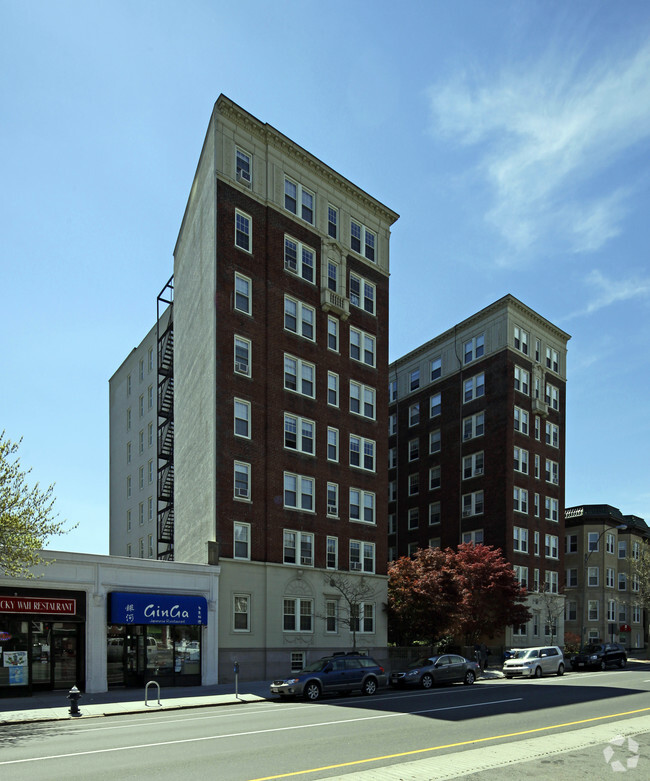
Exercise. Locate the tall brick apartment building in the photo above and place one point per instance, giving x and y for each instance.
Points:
(476, 448)
(272, 400)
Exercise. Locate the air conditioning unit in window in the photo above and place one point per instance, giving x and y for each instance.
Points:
(331, 509)
(244, 177)
(478, 470)
(243, 492)
(305, 560)
(355, 565)
(241, 367)
(466, 513)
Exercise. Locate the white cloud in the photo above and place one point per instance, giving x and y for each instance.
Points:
(544, 136)
(612, 291)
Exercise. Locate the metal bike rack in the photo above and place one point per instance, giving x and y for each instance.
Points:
(146, 691)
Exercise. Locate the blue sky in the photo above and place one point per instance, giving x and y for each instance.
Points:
(513, 138)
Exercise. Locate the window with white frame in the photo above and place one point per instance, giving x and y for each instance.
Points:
(392, 490)
(298, 200)
(299, 318)
(362, 453)
(150, 508)
(128, 486)
(392, 457)
(622, 549)
(362, 347)
(474, 348)
(552, 434)
(414, 449)
(241, 605)
(435, 442)
(434, 478)
(636, 583)
(299, 434)
(392, 523)
(536, 543)
(128, 452)
(332, 276)
(434, 513)
(551, 509)
(242, 356)
(362, 293)
(522, 380)
(636, 550)
(435, 405)
(392, 390)
(332, 221)
(636, 614)
(552, 397)
(474, 426)
(414, 484)
(362, 556)
(243, 294)
(298, 548)
(475, 537)
(150, 397)
(150, 546)
(414, 414)
(593, 540)
(298, 492)
(141, 547)
(611, 610)
(332, 389)
(473, 465)
(413, 517)
(551, 547)
(243, 235)
(521, 575)
(299, 376)
(610, 542)
(331, 616)
(141, 441)
(552, 472)
(536, 505)
(520, 500)
(242, 480)
(333, 334)
(435, 368)
(362, 400)
(332, 553)
(332, 444)
(243, 167)
(150, 435)
(622, 612)
(362, 506)
(552, 359)
(299, 259)
(519, 630)
(362, 618)
(535, 584)
(472, 503)
(414, 379)
(242, 540)
(474, 387)
(593, 576)
(592, 610)
(521, 421)
(362, 240)
(333, 500)
(412, 548)
(298, 614)
(141, 405)
(571, 577)
(520, 539)
(521, 340)
(521, 460)
(242, 413)
(610, 577)
(392, 424)
(537, 467)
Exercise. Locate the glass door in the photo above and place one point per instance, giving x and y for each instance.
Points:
(64, 655)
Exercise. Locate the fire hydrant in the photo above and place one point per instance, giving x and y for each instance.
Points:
(74, 696)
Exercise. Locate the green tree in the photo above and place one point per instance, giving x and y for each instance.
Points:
(642, 570)
(27, 517)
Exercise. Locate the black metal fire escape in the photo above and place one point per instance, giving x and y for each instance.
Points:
(165, 336)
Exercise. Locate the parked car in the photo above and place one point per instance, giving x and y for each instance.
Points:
(429, 670)
(534, 662)
(340, 673)
(599, 655)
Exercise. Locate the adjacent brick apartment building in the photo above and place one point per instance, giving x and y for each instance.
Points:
(477, 449)
(272, 362)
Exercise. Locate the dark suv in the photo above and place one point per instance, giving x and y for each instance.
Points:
(338, 673)
(599, 655)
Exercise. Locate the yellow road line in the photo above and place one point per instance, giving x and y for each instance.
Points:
(451, 745)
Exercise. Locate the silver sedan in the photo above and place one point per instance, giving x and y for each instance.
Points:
(430, 670)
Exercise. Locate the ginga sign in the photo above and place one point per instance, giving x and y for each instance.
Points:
(156, 609)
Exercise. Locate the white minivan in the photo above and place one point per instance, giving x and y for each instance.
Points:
(535, 662)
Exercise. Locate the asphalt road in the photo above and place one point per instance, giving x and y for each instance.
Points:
(394, 734)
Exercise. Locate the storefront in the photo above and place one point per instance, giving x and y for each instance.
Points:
(42, 640)
(155, 637)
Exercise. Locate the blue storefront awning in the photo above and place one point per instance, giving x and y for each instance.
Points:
(134, 608)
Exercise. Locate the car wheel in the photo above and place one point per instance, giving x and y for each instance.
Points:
(509, 677)
(622, 662)
(538, 672)
(312, 691)
(603, 666)
(427, 681)
(560, 669)
(470, 677)
(369, 686)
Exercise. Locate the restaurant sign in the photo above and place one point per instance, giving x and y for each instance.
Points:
(39, 605)
(132, 608)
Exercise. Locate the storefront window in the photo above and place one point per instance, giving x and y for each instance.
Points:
(188, 650)
(14, 645)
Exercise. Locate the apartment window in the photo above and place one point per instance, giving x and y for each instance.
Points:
(150, 546)
(552, 472)
(474, 426)
(520, 539)
(473, 465)
(243, 287)
(435, 442)
(552, 435)
(535, 580)
(392, 490)
(141, 405)
(473, 503)
(332, 222)
(362, 506)
(392, 424)
(128, 486)
(552, 359)
(636, 614)
(434, 513)
(141, 441)
(362, 293)
(622, 613)
(299, 376)
(141, 369)
(593, 576)
(474, 537)
(521, 421)
(241, 605)
(622, 581)
(521, 340)
(536, 543)
(593, 541)
(552, 397)
(414, 414)
(414, 449)
(522, 380)
(150, 508)
(332, 389)
(362, 556)
(362, 400)
(414, 484)
(414, 517)
(536, 505)
(436, 368)
(537, 467)
(414, 379)
(435, 405)
(412, 548)
(392, 390)
(141, 478)
(242, 538)
(592, 610)
(242, 350)
(521, 460)
(299, 318)
(474, 387)
(610, 541)
(362, 618)
(520, 500)
(296, 196)
(128, 550)
(332, 276)
(242, 418)
(622, 549)
(243, 238)
(128, 520)
(150, 434)
(298, 548)
(299, 434)
(150, 359)
(636, 583)
(521, 574)
(333, 334)
(243, 167)
(333, 500)
(141, 547)
(150, 397)
(610, 578)
(128, 419)
(474, 348)
(128, 452)
(434, 478)
(551, 546)
(141, 513)
(611, 610)
(297, 615)
(636, 550)
(392, 523)
(362, 240)
(392, 457)
(362, 347)
(299, 259)
(332, 560)
(242, 480)
(128, 384)
(572, 578)
(362, 453)
(298, 492)
(332, 444)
